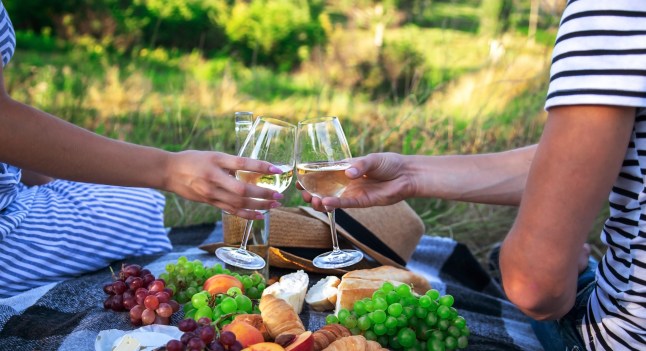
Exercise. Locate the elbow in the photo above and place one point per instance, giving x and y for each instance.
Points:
(544, 301)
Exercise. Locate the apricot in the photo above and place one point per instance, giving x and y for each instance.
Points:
(220, 283)
(265, 346)
(303, 342)
(245, 333)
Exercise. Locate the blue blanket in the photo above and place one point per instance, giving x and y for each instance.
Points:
(68, 315)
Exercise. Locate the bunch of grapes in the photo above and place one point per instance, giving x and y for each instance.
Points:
(185, 279)
(398, 319)
(201, 335)
(221, 308)
(136, 290)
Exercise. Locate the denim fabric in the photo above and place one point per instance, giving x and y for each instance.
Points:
(565, 333)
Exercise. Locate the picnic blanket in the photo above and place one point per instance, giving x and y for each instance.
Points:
(68, 315)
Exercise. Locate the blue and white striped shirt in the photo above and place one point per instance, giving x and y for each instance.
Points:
(7, 36)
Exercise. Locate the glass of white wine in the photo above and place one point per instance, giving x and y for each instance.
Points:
(270, 140)
(322, 155)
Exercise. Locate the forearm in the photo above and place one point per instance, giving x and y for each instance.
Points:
(496, 178)
(45, 144)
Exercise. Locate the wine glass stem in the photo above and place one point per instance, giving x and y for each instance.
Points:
(335, 240)
(247, 232)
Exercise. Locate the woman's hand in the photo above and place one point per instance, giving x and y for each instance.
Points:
(377, 180)
(205, 177)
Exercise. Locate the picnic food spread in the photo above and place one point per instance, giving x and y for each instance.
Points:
(369, 309)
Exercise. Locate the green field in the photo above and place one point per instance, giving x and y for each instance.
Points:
(435, 89)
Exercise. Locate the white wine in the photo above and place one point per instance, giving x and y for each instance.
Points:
(323, 179)
(277, 182)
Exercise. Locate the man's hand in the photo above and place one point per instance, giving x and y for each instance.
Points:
(377, 180)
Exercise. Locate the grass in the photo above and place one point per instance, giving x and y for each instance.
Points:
(470, 103)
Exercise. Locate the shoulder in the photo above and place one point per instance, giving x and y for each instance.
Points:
(598, 54)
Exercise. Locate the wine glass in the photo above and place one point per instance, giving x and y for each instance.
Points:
(270, 140)
(322, 155)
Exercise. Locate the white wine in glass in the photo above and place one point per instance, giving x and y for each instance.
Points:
(322, 155)
(269, 140)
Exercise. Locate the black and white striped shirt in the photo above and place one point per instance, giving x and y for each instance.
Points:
(600, 58)
(7, 36)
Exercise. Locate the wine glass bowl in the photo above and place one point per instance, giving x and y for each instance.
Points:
(322, 156)
(270, 140)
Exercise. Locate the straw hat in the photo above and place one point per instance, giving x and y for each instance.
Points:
(387, 235)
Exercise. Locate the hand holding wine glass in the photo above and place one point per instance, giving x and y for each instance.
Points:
(322, 156)
(269, 140)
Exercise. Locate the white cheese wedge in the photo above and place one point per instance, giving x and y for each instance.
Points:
(127, 343)
(322, 295)
(291, 288)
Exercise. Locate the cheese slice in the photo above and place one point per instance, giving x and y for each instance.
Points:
(291, 288)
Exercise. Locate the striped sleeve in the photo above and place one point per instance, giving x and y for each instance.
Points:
(7, 36)
(600, 55)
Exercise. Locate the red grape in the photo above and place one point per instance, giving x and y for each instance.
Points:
(148, 278)
(135, 312)
(151, 302)
(174, 345)
(107, 304)
(117, 303)
(129, 303)
(107, 288)
(119, 287)
(195, 344)
(164, 310)
(174, 305)
(227, 338)
(215, 346)
(131, 270)
(162, 296)
(237, 346)
(187, 325)
(148, 316)
(207, 334)
(156, 286)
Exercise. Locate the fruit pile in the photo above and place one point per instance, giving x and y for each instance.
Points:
(187, 278)
(136, 290)
(398, 319)
(221, 308)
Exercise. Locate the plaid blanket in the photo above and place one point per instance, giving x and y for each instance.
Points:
(69, 315)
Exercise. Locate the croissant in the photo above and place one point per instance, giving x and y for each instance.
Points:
(328, 334)
(279, 317)
(354, 343)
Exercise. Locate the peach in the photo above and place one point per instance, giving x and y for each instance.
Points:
(220, 283)
(303, 342)
(245, 333)
(265, 346)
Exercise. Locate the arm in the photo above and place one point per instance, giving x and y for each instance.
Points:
(576, 163)
(30, 178)
(387, 178)
(42, 143)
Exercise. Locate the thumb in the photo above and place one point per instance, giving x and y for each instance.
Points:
(360, 166)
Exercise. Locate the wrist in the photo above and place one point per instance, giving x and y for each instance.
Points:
(411, 171)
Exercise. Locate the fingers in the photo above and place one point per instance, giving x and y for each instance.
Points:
(242, 163)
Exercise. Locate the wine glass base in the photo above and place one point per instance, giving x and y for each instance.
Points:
(337, 259)
(238, 257)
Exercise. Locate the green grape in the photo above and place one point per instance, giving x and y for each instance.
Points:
(378, 294)
(253, 293)
(453, 313)
(256, 278)
(403, 290)
(394, 343)
(465, 331)
(204, 311)
(170, 268)
(435, 345)
(383, 340)
(443, 312)
(395, 309)
(189, 267)
(380, 304)
(378, 316)
(199, 271)
(433, 306)
(420, 312)
(392, 297)
(200, 299)
(228, 305)
(218, 268)
(331, 319)
(244, 303)
(193, 284)
(182, 297)
(246, 282)
(406, 337)
(183, 272)
(355, 330)
(451, 342)
(261, 287)
(438, 335)
(343, 314)
(197, 262)
(379, 329)
(182, 259)
(463, 342)
(190, 291)
(350, 322)
(387, 287)
(413, 322)
(364, 323)
(392, 331)
(422, 332)
(234, 291)
(454, 331)
(431, 319)
(433, 294)
(447, 300)
(443, 324)
(359, 308)
(190, 314)
(409, 311)
(410, 301)
(370, 335)
(217, 312)
(402, 321)
(370, 305)
(391, 322)
(425, 301)
(459, 322)
(172, 287)
(226, 271)
(187, 307)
